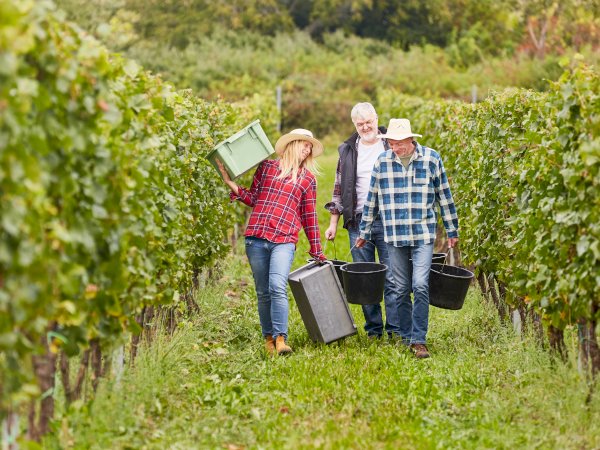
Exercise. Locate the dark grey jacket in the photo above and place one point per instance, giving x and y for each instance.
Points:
(347, 167)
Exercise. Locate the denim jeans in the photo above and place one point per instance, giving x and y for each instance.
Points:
(270, 264)
(372, 313)
(414, 320)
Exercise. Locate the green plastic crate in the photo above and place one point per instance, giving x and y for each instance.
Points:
(242, 151)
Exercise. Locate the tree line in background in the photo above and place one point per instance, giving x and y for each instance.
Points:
(328, 55)
(488, 27)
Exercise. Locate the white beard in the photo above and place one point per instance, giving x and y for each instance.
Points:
(370, 136)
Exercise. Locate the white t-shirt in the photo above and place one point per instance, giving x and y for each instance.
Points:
(367, 155)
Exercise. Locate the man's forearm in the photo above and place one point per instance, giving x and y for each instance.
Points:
(333, 221)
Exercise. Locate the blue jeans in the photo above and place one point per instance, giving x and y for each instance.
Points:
(372, 313)
(414, 320)
(270, 264)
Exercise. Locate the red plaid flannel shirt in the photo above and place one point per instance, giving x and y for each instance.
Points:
(280, 208)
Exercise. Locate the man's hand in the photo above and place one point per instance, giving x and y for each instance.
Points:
(360, 243)
(330, 232)
(452, 242)
(333, 223)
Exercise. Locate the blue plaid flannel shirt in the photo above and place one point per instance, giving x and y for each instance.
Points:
(406, 198)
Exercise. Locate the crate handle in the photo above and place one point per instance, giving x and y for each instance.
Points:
(252, 133)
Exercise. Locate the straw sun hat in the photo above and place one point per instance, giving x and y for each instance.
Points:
(398, 129)
(299, 134)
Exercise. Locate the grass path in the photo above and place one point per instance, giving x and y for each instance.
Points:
(210, 385)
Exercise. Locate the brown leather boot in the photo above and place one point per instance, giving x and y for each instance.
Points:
(282, 347)
(270, 345)
(420, 350)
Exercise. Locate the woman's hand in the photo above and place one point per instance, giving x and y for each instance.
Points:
(224, 173)
(226, 177)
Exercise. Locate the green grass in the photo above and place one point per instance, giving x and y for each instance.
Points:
(211, 385)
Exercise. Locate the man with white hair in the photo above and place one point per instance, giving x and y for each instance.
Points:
(355, 164)
(407, 184)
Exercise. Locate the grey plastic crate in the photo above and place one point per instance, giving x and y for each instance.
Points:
(321, 302)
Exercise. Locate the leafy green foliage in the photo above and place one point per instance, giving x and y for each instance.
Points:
(108, 203)
(452, 46)
(525, 173)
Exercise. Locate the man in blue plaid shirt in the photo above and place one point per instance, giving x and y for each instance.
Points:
(406, 183)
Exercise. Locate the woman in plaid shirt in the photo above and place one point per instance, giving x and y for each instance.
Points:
(283, 199)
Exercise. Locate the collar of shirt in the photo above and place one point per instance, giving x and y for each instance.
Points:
(417, 154)
(386, 146)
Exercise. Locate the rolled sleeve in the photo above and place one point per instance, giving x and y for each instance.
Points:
(249, 196)
(335, 205)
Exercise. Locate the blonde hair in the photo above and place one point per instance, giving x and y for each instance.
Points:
(289, 161)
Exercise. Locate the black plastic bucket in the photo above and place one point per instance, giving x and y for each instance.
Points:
(337, 264)
(448, 286)
(363, 282)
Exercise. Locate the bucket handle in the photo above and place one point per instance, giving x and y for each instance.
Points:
(452, 256)
(452, 261)
(352, 248)
(334, 251)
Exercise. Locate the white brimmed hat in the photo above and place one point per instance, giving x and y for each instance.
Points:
(299, 134)
(398, 129)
